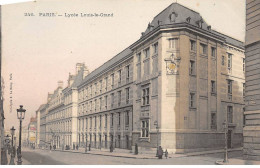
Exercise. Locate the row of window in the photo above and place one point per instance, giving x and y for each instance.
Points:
(97, 104)
(83, 123)
(64, 126)
(65, 113)
(102, 85)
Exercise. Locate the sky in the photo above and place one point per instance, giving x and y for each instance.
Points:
(40, 51)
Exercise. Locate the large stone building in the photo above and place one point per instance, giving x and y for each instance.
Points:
(174, 87)
(252, 98)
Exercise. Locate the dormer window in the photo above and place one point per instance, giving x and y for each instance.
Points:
(188, 19)
(173, 16)
(199, 23)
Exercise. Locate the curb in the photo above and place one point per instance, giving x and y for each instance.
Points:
(120, 156)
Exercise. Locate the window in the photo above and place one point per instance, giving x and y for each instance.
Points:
(106, 102)
(192, 45)
(112, 120)
(90, 105)
(127, 95)
(127, 118)
(213, 121)
(213, 52)
(105, 120)
(173, 43)
(95, 104)
(145, 129)
(229, 61)
(112, 80)
(95, 88)
(106, 83)
(155, 48)
(100, 86)
(244, 89)
(229, 84)
(91, 91)
(112, 100)
(203, 49)
(100, 121)
(119, 98)
(127, 73)
(213, 86)
(243, 64)
(119, 76)
(230, 114)
(244, 117)
(119, 118)
(139, 57)
(100, 103)
(192, 67)
(223, 60)
(145, 96)
(147, 52)
(90, 122)
(192, 100)
(95, 122)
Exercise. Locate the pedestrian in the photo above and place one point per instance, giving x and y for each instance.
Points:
(136, 149)
(73, 146)
(166, 153)
(160, 152)
(86, 148)
(89, 147)
(111, 148)
(50, 147)
(77, 147)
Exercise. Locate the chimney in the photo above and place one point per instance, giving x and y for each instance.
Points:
(85, 72)
(78, 67)
(60, 84)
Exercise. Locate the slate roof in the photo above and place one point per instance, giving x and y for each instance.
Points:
(180, 14)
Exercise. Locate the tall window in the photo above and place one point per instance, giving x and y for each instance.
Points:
(91, 91)
(229, 61)
(119, 98)
(95, 105)
(147, 52)
(127, 95)
(127, 118)
(112, 100)
(145, 128)
(106, 80)
(173, 43)
(244, 65)
(192, 67)
(127, 73)
(244, 89)
(119, 76)
(119, 119)
(100, 86)
(95, 88)
(106, 101)
(139, 57)
(100, 103)
(90, 122)
(213, 86)
(112, 80)
(192, 100)
(155, 48)
(145, 96)
(203, 48)
(223, 60)
(229, 84)
(105, 120)
(100, 121)
(230, 114)
(90, 106)
(112, 119)
(213, 121)
(192, 45)
(213, 51)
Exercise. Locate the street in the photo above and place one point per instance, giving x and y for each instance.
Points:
(46, 157)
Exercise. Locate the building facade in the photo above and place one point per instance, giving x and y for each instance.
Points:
(174, 87)
(252, 90)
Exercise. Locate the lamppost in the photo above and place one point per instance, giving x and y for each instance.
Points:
(226, 151)
(12, 147)
(157, 128)
(20, 116)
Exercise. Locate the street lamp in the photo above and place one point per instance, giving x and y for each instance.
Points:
(20, 116)
(225, 126)
(157, 128)
(12, 147)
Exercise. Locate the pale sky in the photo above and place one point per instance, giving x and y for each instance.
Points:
(39, 51)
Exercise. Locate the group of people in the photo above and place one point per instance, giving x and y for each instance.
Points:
(160, 153)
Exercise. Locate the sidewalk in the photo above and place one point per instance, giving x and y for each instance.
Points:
(130, 154)
(238, 161)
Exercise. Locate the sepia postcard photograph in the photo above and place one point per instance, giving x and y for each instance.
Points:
(133, 82)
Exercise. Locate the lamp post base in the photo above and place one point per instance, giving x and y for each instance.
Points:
(19, 162)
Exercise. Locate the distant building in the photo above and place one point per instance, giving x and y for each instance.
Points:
(174, 87)
(32, 128)
(252, 87)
